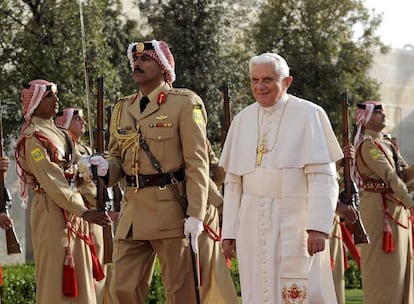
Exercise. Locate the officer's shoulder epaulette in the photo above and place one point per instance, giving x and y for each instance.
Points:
(30, 130)
(192, 96)
(181, 91)
(366, 137)
(126, 98)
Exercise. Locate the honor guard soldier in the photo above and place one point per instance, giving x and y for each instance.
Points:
(46, 159)
(158, 145)
(72, 120)
(386, 263)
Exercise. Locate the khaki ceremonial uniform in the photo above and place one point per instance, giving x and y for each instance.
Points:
(102, 288)
(217, 285)
(151, 219)
(337, 260)
(45, 158)
(386, 276)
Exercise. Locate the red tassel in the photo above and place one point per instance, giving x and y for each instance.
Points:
(228, 263)
(388, 241)
(332, 264)
(98, 273)
(346, 261)
(70, 284)
(1, 275)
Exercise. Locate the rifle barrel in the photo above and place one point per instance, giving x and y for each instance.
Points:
(12, 242)
(102, 197)
(350, 193)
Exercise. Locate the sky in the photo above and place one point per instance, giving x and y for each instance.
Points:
(397, 27)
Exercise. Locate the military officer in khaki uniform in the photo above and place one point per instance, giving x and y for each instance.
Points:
(72, 119)
(216, 283)
(386, 263)
(158, 145)
(46, 157)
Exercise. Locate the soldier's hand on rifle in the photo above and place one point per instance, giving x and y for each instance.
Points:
(5, 221)
(347, 212)
(100, 163)
(229, 248)
(97, 217)
(4, 163)
(349, 151)
(193, 227)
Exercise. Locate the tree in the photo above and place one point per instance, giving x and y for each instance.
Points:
(319, 40)
(206, 47)
(42, 39)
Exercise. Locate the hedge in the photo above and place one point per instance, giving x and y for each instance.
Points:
(19, 284)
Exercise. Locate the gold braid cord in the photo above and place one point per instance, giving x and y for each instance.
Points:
(124, 140)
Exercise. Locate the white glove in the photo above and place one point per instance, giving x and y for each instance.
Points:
(101, 164)
(193, 227)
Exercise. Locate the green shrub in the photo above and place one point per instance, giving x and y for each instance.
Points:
(352, 275)
(18, 284)
(156, 293)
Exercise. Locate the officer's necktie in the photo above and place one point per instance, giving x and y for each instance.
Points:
(143, 103)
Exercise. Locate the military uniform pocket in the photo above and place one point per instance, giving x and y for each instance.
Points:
(170, 214)
(159, 140)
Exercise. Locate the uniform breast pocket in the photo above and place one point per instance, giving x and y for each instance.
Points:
(160, 140)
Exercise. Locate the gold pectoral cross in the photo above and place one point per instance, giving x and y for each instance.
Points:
(260, 150)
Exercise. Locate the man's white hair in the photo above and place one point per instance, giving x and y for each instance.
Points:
(281, 66)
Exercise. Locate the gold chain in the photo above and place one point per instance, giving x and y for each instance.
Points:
(261, 147)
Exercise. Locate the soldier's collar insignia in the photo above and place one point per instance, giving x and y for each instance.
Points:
(134, 99)
(161, 98)
(161, 117)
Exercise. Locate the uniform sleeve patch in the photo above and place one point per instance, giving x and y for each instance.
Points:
(197, 115)
(37, 154)
(375, 153)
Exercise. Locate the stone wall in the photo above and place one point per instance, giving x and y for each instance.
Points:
(395, 72)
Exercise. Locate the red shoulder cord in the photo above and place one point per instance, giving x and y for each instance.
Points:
(388, 242)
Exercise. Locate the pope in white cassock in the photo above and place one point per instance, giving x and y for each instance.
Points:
(280, 192)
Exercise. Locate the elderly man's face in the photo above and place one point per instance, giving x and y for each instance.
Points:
(266, 84)
(147, 71)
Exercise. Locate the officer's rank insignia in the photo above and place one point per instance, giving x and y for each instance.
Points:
(197, 116)
(375, 153)
(161, 98)
(161, 117)
(294, 294)
(37, 154)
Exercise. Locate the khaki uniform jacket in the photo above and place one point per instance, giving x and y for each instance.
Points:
(47, 222)
(174, 127)
(383, 281)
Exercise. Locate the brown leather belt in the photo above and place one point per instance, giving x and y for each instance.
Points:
(375, 186)
(150, 180)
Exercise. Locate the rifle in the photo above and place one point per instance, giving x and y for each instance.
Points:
(350, 194)
(13, 244)
(227, 113)
(102, 197)
(116, 190)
